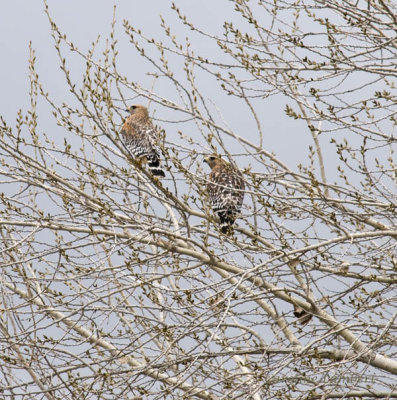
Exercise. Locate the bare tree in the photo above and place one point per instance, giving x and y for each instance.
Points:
(119, 285)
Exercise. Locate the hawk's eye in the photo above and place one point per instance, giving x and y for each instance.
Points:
(133, 107)
(212, 158)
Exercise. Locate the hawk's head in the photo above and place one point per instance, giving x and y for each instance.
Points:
(213, 160)
(139, 112)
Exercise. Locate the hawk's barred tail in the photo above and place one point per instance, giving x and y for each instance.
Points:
(155, 168)
(226, 223)
(225, 227)
(157, 172)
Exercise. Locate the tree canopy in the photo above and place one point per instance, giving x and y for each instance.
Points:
(118, 284)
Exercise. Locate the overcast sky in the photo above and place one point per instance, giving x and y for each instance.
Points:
(22, 21)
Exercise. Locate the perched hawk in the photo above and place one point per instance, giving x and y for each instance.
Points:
(141, 137)
(303, 316)
(226, 191)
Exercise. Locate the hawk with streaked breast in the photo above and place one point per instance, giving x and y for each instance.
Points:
(226, 191)
(141, 137)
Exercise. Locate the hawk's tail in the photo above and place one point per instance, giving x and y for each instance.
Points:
(227, 220)
(155, 168)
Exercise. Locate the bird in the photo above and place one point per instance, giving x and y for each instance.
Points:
(226, 191)
(303, 316)
(140, 137)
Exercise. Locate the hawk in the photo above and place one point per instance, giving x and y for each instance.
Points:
(141, 137)
(226, 191)
(303, 316)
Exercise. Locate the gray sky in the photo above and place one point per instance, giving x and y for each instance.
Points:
(22, 21)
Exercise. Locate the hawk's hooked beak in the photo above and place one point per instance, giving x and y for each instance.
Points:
(206, 159)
